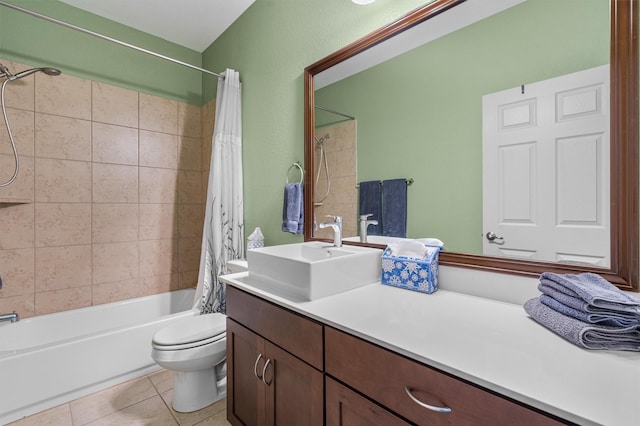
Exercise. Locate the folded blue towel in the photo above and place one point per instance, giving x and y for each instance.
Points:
(608, 319)
(582, 334)
(293, 209)
(370, 197)
(394, 208)
(593, 289)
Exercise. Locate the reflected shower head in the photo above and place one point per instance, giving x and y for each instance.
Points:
(47, 71)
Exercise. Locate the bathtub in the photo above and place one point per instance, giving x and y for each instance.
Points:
(52, 359)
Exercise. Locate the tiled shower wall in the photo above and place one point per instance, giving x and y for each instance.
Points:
(109, 201)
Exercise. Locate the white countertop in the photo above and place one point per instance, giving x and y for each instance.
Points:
(491, 343)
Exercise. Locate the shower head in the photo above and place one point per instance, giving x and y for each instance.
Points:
(47, 71)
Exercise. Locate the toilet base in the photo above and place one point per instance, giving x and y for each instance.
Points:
(193, 390)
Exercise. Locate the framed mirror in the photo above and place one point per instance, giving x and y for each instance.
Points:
(617, 46)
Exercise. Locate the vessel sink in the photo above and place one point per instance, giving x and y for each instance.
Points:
(312, 270)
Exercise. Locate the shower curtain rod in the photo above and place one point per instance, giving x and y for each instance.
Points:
(334, 112)
(104, 37)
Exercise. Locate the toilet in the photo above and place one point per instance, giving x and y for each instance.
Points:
(194, 348)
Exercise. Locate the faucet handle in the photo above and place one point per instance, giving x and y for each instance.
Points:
(365, 216)
(337, 219)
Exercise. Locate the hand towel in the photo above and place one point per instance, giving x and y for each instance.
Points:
(293, 209)
(394, 208)
(582, 334)
(370, 197)
(611, 320)
(593, 289)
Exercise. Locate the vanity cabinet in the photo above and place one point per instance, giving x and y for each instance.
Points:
(274, 364)
(416, 392)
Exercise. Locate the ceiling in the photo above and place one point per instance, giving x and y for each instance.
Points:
(190, 23)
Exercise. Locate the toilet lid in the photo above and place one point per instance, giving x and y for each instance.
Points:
(191, 330)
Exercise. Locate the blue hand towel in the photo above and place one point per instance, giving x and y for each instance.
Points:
(371, 203)
(582, 334)
(594, 290)
(550, 288)
(394, 208)
(293, 209)
(611, 320)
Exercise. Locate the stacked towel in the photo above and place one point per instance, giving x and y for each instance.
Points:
(293, 209)
(588, 311)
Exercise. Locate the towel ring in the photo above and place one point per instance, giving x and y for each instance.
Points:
(299, 167)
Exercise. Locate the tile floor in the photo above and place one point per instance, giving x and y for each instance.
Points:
(143, 401)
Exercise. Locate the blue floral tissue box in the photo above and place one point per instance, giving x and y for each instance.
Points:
(413, 274)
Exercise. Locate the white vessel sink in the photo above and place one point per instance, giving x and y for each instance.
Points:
(312, 270)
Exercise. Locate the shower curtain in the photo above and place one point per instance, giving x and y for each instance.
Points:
(223, 234)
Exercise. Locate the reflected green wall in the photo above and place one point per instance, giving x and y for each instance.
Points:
(34, 41)
(420, 114)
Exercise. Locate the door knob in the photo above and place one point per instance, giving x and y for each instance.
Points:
(491, 236)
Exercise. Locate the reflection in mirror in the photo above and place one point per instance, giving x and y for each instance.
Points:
(420, 115)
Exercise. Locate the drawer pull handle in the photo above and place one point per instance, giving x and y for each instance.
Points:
(255, 367)
(264, 373)
(427, 406)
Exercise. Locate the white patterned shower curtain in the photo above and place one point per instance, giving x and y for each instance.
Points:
(223, 234)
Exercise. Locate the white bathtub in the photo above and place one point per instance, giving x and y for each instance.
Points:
(52, 359)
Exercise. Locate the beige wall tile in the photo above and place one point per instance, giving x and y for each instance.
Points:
(190, 154)
(62, 137)
(115, 262)
(158, 283)
(114, 105)
(113, 292)
(63, 181)
(158, 257)
(113, 183)
(21, 123)
(63, 267)
(158, 114)
(63, 300)
(189, 187)
(158, 221)
(189, 279)
(189, 120)
(207, 148)
(190, 220)
(158, 185)
(24, 305)
(208, 117)
(17, 226)
(62, 224)
(189, 254)
(158, 150)
(114, 223)
(115, 144)
(63, 95)
(18, 272)
(23, 187)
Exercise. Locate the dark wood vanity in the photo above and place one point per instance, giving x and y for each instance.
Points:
(284, 368)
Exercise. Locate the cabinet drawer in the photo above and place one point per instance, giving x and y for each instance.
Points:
(299, 336)
(383, 376)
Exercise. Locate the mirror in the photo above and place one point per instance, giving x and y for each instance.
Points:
(623, 130)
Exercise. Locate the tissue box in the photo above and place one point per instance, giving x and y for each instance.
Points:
(413, 274)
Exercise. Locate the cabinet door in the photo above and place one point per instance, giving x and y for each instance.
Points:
(347, 408)
(294, 390)
(245, 392)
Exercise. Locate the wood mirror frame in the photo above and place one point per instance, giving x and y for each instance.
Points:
(624, 147)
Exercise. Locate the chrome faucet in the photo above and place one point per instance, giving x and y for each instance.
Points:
(336, 225)
(364, 225)
(13, 317)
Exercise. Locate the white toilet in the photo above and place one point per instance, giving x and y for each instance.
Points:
(194, 348)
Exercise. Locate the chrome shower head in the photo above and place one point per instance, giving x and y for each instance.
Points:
(47, 71)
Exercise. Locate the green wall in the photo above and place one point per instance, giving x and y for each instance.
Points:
(34, 41)
(270, 45)
(420, 114)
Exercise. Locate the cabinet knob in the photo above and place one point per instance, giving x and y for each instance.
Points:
(255, 368)
(427, 406)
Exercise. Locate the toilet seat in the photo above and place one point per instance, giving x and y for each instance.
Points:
(191, 332)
